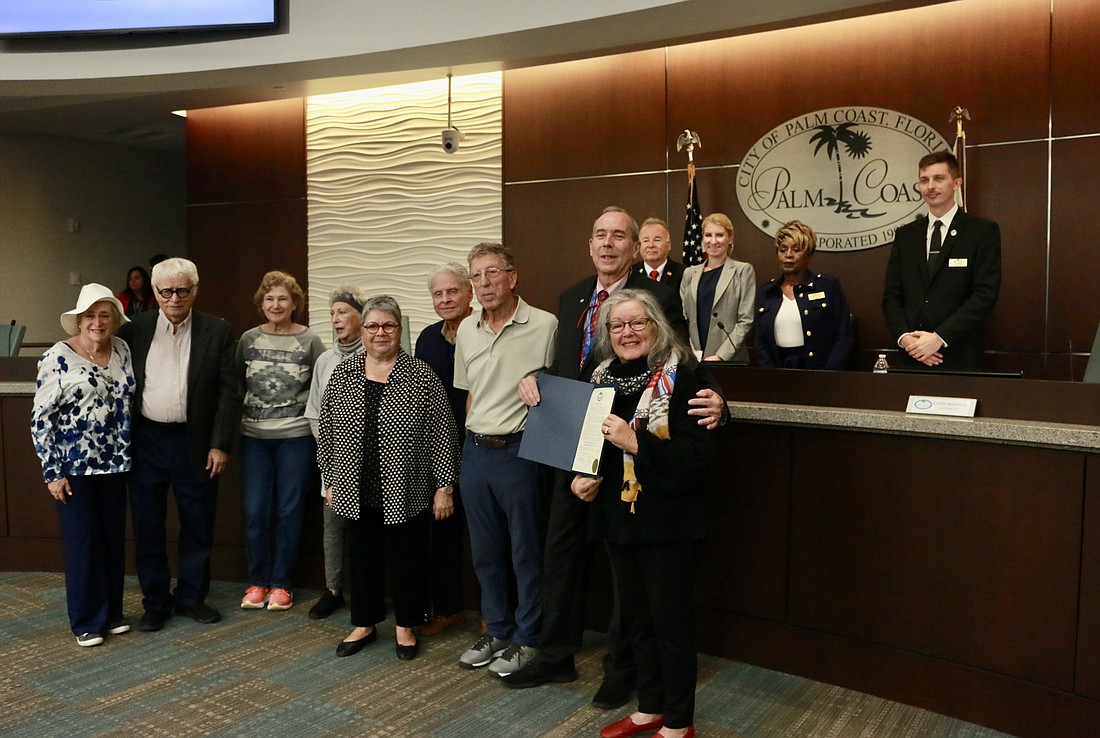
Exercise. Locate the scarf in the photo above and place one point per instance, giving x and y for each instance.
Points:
(652, 412)
(347, 349)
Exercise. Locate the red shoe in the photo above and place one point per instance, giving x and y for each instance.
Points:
(626, 728)
(689, 734)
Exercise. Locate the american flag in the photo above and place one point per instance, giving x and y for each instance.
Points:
(693, 224)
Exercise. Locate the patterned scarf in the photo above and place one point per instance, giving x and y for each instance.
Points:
(652, 411)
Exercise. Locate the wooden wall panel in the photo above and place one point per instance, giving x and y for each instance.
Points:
(1074, 310)
(549, 224)
(732, 91)
(3, 476)
(30, 506)
(1088, 629)
(1075, 59)
(234, 244)
(948, 569)
(246, 152)
(597, 116)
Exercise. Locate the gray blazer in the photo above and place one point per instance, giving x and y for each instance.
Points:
(734, 298)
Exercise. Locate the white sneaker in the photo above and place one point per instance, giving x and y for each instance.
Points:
(89, 639)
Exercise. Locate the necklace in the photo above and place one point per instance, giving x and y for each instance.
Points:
(92, 356)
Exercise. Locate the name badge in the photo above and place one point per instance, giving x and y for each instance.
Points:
(816, 296)
(956, 262)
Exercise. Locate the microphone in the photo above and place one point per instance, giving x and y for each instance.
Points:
(722, 328)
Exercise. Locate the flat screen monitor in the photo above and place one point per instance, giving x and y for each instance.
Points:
(19, 18)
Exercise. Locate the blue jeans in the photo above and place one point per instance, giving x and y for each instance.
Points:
(277, 473)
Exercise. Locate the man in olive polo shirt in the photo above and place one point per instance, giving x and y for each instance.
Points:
(494, 350)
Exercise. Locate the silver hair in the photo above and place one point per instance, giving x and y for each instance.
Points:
(458, 270)
(352, 294)
(666, 344)
(629, 217)
(385, 303)
(175, 267)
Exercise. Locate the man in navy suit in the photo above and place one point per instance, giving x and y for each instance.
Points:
(568, 555)
(943, 276)
(188, 404)
(654, 244)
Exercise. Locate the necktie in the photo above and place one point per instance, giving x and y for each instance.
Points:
(590, 324)
(654, 274)
(934, 246)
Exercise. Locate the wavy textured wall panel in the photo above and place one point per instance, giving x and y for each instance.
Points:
(386, 203)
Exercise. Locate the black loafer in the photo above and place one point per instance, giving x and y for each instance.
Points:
(408, 653)
(153, 621)
(328, 604)
(200, 613)
(540, 672)
(612, 694)
(350, 648)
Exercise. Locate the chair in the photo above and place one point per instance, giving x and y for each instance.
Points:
(1092, 370)
(11, 339)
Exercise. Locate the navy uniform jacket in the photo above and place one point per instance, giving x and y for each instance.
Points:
(957, 298)
(826, 321)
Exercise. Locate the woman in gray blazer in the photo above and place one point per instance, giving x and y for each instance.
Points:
(718, 296)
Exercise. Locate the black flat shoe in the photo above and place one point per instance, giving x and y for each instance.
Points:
(350, 648)
(408, 653)
(328, 604)
(153, 621)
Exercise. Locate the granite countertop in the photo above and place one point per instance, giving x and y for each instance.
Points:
(989, 430)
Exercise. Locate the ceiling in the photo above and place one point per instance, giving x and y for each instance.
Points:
(135, 110)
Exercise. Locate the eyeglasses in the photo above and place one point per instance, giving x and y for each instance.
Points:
(386, 328)
(180, 292)
(489, 273)
(637, 325)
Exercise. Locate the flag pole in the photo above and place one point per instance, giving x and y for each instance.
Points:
(693, 223)
(959, 149)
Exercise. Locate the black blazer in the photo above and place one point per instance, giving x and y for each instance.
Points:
(574, 300)
(826, 322)
(672, 275)
(957, 298)
(213, 386)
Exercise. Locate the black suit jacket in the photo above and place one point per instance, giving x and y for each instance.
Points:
(956, 299)
(672, 275)
(213, 387)
(574, 300)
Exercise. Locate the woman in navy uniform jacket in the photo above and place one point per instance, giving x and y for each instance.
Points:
(802, 318)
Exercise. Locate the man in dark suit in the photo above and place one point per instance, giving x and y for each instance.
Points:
(568, 554)
(943, 276)
(189, 407)
(655, 243)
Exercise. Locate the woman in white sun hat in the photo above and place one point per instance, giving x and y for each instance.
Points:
(81, 430)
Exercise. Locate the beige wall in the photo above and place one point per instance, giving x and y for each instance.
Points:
(129, 203)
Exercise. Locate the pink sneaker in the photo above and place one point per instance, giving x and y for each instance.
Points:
(254, 598)
(280, 599)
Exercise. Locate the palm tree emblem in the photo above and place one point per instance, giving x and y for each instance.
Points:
(856, 144)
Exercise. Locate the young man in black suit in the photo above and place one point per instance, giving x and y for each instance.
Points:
(568, 555)
(943, 276)
(188, 408)
(654, 244)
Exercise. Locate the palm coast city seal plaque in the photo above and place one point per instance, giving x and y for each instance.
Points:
(849, 173)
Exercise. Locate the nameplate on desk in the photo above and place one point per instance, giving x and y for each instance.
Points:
(962, 407)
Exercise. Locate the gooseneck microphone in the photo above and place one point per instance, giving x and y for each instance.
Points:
(722, 327)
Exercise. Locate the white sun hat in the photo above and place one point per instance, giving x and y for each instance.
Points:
(90, 294)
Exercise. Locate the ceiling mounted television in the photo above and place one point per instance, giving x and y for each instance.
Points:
(20, 18)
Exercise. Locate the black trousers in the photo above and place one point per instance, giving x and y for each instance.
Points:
(656, 583)
(447, 561)
(567, 567)
(405, 551)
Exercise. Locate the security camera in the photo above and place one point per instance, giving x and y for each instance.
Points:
(451, 138)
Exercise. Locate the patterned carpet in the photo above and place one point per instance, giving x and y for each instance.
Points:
(262, 673)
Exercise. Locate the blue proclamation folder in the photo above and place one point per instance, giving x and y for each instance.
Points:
(563, 430)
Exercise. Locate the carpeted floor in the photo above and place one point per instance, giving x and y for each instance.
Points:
(262, 673)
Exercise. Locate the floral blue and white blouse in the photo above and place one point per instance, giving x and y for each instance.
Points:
(81, 417)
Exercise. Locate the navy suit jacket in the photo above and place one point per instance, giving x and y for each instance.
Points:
(571, 306)
(957, 298)
(672, 275)
(213, 386)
